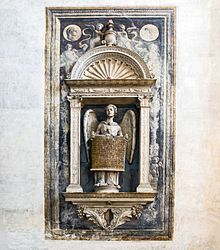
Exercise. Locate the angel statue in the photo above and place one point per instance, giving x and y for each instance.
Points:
(107, 146)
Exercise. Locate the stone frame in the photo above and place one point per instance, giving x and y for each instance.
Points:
(52, 91)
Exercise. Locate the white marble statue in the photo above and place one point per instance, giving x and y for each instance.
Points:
(110, 128)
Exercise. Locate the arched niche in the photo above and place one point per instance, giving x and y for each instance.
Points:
(110, 63)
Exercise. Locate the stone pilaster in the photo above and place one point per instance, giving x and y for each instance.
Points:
(75, 112)
(144, 184)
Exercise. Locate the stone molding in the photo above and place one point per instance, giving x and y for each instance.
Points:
(115, 88)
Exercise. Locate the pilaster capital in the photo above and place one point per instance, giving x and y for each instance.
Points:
(145, 100)
(75, 101)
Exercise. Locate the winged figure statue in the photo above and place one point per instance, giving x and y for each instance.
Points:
(110, 129)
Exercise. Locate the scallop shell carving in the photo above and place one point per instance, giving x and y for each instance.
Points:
(109, 69)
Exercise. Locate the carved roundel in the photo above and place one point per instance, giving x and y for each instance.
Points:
(110, 63)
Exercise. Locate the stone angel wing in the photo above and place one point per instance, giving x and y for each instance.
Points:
(128, 126)
(90, 124)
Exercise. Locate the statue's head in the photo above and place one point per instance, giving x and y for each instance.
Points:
(68, 46)
(122, 27)
(111, 110)
(99, 26)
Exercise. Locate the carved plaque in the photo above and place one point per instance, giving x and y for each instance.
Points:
(108, 153)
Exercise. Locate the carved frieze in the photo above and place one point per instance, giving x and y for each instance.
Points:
(115, 87)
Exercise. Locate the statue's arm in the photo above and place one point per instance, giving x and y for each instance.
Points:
(98, 130)
(119, 132)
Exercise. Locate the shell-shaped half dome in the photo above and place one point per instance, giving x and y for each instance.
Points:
(109, 68)
(110, 62)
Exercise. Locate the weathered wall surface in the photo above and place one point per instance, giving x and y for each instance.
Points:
(197, 199)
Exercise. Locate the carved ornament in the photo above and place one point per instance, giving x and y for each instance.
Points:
(109, 218)
(117, 57)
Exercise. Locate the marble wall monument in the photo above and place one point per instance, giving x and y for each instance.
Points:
(109, 124)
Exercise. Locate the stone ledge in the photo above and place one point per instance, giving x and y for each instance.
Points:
(112, 199)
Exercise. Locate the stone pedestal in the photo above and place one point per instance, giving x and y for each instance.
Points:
(110, 210)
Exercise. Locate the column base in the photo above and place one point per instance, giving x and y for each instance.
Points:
(144, 188)
(74, 188)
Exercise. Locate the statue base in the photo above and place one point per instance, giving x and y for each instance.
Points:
(110, 210)
(107, 189)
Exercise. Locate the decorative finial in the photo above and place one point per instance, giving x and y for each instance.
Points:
(109, 34)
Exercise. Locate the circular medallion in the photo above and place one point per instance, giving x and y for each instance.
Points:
(149, 32)
(72, 32)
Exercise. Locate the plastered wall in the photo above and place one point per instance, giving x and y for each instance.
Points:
(197, 196)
